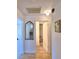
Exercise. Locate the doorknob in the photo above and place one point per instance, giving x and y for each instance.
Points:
(17, 38)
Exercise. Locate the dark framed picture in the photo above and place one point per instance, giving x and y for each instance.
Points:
(58, 26)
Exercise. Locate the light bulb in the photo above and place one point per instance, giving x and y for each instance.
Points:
(47, 14)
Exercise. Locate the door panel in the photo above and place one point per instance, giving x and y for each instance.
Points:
(19, 38)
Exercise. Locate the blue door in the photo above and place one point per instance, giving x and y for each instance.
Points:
(19, 38)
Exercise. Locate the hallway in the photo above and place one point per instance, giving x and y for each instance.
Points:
(40, 27)
(40, 54)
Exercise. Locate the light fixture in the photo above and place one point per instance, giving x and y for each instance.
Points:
(53, 10)
(47, 12)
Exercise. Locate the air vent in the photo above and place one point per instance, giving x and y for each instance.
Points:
(33, 10)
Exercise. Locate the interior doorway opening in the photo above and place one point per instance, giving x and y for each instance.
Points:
(41, 35)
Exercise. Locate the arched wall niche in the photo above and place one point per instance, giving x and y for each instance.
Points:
(29, 31)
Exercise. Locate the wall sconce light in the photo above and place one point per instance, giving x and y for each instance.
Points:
(53, 10)
(47, 12)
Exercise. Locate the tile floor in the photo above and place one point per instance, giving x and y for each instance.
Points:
(40, 54)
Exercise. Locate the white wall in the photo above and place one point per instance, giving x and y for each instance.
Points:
(19, 14)
(45, 36)
(56, 37)
(37, 33)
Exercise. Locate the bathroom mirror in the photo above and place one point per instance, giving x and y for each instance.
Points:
(29, 31)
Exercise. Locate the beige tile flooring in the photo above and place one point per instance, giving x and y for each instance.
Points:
(40, 54)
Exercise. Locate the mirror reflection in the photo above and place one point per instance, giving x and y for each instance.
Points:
(29, 30)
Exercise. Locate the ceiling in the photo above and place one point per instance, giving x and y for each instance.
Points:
(27, 6)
